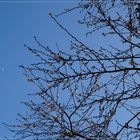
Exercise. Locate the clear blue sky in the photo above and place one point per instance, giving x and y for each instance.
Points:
(19, 22)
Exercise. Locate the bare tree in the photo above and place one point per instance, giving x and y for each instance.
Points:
(86, 93)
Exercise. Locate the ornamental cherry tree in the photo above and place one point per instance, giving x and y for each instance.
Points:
(86, 92)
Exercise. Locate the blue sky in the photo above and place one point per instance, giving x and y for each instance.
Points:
(19, 22)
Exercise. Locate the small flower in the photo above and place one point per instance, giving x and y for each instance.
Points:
(29, 79)
(49, 85)
(133, 63)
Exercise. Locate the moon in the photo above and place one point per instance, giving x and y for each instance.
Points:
(2, 69)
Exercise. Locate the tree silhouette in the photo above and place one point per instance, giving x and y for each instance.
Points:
(86, 93)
